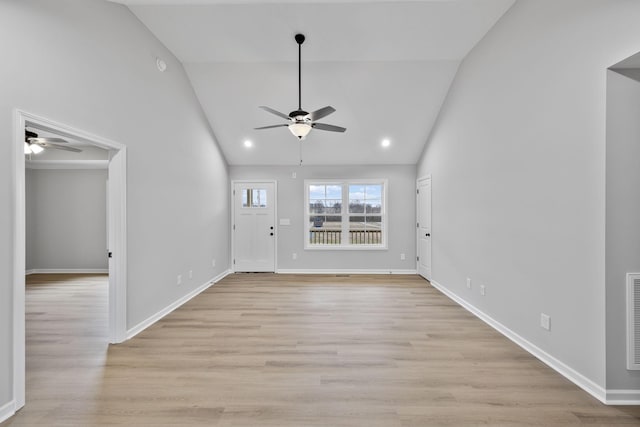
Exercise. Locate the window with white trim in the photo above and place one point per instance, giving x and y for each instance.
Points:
(345, 214)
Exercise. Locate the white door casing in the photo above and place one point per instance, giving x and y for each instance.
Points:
(254, 228)
(117, 224)
(117, 250)
(424, 227)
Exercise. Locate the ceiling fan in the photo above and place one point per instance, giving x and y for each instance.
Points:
(34, 144)
(301, 122)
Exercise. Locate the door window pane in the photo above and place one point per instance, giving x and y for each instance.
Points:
(254, 198)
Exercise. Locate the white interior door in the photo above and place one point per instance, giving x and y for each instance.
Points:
(424, 227)
(254, 226)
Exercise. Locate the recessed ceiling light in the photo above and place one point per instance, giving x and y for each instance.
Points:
(248, 143)
(386, 142)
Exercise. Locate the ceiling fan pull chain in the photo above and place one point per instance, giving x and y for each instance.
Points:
(300, 142)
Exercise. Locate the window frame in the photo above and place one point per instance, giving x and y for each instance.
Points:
(344, 215)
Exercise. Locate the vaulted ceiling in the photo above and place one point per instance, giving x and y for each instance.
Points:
(385, 66)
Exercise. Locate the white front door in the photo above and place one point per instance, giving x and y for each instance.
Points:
(424, 227)
(254, 226)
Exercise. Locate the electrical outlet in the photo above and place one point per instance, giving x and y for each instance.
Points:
(213, 262)
(545, 321)
(483, 290)
(294, 256)
(468, 283)
(179, 279)
(402, 257)
(190, 274)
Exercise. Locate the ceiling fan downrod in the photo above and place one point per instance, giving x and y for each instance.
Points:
(299, 39)
(301, 122)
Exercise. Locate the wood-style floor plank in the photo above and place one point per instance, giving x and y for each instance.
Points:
(289, 350)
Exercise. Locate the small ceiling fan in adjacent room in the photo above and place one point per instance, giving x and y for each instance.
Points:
(34, 144)
(300, 122)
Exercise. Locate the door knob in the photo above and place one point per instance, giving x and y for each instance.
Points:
(428, 235)
(271, 234)
(271, 227)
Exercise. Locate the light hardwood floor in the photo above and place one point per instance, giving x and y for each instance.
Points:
(270, 350)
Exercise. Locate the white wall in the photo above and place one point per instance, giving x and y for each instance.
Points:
(401, 202)
(518, 164)
(100, 76)
(623, 220)
(66, 219)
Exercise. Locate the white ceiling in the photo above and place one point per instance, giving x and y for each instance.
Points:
(385, 66)
(631, 62)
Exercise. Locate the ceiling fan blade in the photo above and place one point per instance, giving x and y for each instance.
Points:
(60, 147)
(272, 126)
(46, 140)
(323, 112)
(331, 128)
(277, 113)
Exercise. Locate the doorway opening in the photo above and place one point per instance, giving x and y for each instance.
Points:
(116, 235)
(622, 228)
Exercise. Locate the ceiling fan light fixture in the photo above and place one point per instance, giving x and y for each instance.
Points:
(34, 145)
(301, 130)
(299, 121)
(35, 149)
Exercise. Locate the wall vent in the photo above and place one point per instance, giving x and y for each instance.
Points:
(633, 321)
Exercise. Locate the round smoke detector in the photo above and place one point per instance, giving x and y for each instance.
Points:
(162, 66)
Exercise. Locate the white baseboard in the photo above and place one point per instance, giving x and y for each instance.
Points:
(171, 307)
(7, 410)
(623, 397)
(342, 271)
(571, 374)
(67, 271)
